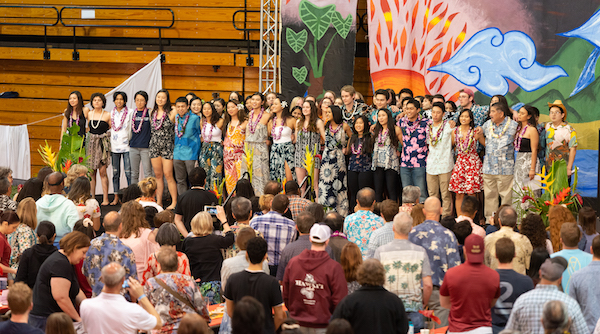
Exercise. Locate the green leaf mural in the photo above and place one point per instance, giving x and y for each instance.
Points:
(300, 74)
(317, 19)
(341, 25)
(295, 40)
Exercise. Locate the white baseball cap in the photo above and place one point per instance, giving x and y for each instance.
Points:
(320, 233)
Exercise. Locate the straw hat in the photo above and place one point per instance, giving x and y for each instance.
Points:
(559, 104)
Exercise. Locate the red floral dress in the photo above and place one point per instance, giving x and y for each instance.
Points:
(466, 176)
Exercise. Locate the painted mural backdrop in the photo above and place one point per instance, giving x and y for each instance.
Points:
(531, 51)
(318, 46)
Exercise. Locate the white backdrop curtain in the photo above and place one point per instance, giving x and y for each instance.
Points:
(14, 150)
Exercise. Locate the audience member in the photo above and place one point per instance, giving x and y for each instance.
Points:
(173, 294)
(249, 318)
(351, 259)
(442, 250)
(56, 288)
(193, 201)
(87, 206)
(148, 188)
(239, 262)
(410, 198)
(136, 233)
(557, 216)
(512, 284)
(167, 237)
(385, 234)
(131, 193)
(109, 312)
(467, 313)
(532, 226)
(256, 283)
(9, 222)
(163, 217)
(106, 249)
(33, 257)
(373, 309)
(19, 302)
(406, 284)
(448, 222)
(85, 226)
(317, 210)
(204, 250)
(306, 273)
(339, 326)
(338, 239)
(417, 214)
(193, 323)
(31, 188)
(468, 210)
(577, 259)
(304, 223)
(56, 208)
(6, 203)
(61, 323)
(462, 230)
(24, 236)
(555, 318)
(297, 203)
(277, 230)
(359, 225)
(528, 309)
(507, 218)
(584, 287)
(587, 221)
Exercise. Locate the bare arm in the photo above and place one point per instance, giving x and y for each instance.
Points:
(60, 292)
(223, 219)
(321, 128)
(278, 316)
(180, 225)
(572, 152)
(63, 127)
(230, 306)
(445, 301)
(6, 269)
(136, 290)
(535, 140)
(427, 289)
(479, 135)
(452, 137)
(97, 223)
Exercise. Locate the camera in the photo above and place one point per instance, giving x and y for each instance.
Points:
(211, 209)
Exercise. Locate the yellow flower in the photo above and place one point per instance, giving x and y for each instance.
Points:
(249, 153)
(550, 132)
(544, 179)
(48, 156)
(309, 163)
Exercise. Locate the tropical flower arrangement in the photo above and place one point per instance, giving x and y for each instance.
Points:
(249, 153)
(218, 191)
(309, 165)
(556, 191)
(72, 151)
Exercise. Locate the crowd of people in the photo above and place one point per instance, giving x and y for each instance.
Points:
(358, 255)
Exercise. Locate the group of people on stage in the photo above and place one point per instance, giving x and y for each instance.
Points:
(426, 141)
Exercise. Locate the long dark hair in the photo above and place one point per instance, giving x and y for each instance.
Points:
(79, 108)
(312, 123)
(533, 112)
(214, 117)
(80, 190)
(167, 107)
(285, 112)
(367, 139)
(262, 99)
(390, 126)
(242, 113)
(45, 232)
(472, 123)
(336, 113)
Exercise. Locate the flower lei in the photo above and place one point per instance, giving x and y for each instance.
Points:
(348, 118)
(468, 139)
(71, 119)
(204, 130)
(273, 132)
(381, 137)
(139, 128)
(433, 140)
(519, 137)
(333, 132)
(357, 151)
(493, 132)
(157, 127)
(123, 118)
(410, 129)
(185, 121)
(252, 125)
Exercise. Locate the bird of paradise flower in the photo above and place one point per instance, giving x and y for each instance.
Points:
(249, 158)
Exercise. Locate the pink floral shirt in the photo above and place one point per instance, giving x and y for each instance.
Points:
(414, 144)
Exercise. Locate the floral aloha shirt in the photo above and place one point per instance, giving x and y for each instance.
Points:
(414, 143)
(170, 309)
(559, 140)
(359, 226)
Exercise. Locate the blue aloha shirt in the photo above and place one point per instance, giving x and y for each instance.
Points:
(359, 226)
(480, 114)
(441, 246)
(103, 250)
(499, 156)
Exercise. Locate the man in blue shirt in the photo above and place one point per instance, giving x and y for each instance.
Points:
(187, 143)
(442, 251)
(578, 259)
(584, 287)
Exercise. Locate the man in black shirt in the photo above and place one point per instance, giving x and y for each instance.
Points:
(193, 201)
(254, 282)
(512, 284)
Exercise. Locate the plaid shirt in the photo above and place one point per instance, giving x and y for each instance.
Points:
(277, 230)
(380, 237)
(527, 311)
(297, 205)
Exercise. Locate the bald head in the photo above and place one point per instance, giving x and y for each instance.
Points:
(112, 275)
(432, 208)
(112, 221)
(366, 198)
(55, 183)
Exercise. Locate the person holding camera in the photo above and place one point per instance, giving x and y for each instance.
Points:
(204, 249)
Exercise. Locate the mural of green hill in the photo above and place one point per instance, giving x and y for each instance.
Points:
(581, 107)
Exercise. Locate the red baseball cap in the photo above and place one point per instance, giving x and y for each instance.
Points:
(468, 91)
(474, 247)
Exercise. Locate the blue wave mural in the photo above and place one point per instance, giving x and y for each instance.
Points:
(489, 58)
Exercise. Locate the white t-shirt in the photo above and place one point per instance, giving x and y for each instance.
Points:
(119, 140)
(152, 204)
(111, 314)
